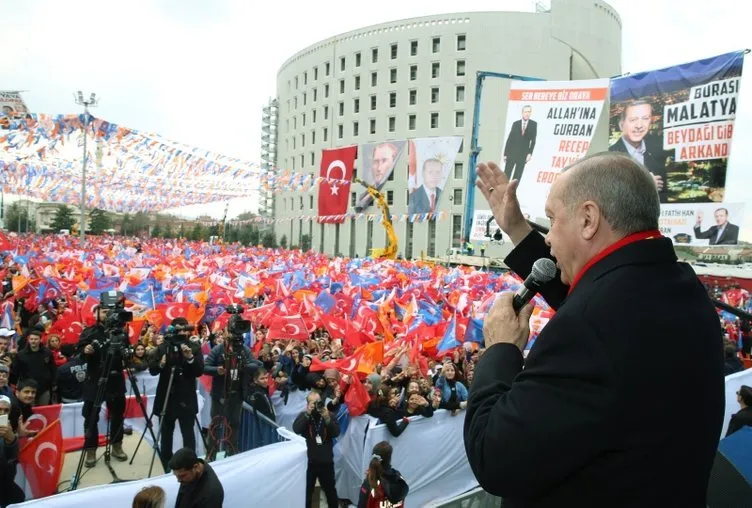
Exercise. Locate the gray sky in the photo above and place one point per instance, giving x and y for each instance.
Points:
(199, 71)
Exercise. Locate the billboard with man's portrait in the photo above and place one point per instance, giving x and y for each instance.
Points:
(378, 161)
(431, 159)
(11, 105)
(679, 123)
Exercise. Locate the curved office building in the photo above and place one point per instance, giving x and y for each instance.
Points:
(416, 78)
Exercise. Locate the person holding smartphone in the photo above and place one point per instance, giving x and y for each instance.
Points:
(10, 493)
(319, 429)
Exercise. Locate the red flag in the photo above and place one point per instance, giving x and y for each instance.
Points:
(42, 460)
(43, 416)
(336, 165)
(5, 244)
(356, 397)
(287, 327)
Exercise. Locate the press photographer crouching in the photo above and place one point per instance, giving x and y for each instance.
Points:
(104, 347)
(231, 366)
(178, 362)
(319, 428)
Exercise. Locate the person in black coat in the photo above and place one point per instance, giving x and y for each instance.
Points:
(744, 416)
(92, 344)
(319, 428)
(590, 421)
(36, 362)
(228, 391)
(257, 395)
(180, 358)
(520, 144)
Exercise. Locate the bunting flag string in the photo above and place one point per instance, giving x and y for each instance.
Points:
(416, 217)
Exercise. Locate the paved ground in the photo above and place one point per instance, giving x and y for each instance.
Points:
(100, 474)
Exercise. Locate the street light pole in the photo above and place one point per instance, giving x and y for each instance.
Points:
(91, 102)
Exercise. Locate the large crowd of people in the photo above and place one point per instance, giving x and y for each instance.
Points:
(392, 339)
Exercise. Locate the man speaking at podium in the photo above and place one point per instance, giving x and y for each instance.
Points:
(596, 418)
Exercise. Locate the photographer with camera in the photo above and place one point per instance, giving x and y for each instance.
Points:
(94, 344)
(178, 362)
(319, 428)
(231, 365)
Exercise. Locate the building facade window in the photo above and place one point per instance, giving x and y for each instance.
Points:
(434, 120)
(357, 59)
(456, 231)
(392, 123)
(459, 93)
(457, 195)
(435, 70)
(393, 50)
(460, 67)
(326, 91)
(436, 44)
(413, 97)
(411, 122)
(326, 134)
(342, 64)
(434, 95)
(459, 118)
(392, 75)
(341, 106)
(315, 73)
(389, 197)
(373, 102)
(355, 129)
(340, 131)
(374, 55)
(356, 106)
(373, 126)
(356, 84)
(341, 86)
(413, 48)
(392, 99)
(374, 79)
(461, 42)
(458, 171)
(326, 69)
(413, 72)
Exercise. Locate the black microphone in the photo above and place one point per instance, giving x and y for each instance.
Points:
(544, 270)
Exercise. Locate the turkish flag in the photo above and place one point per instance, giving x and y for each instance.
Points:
(42, 460)
(5, 244)
(356, 397)
(43, 416)
(334, 190)
(287, 327)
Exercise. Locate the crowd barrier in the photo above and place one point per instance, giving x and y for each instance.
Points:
(440, 470)
(267, 477)
(476, 498)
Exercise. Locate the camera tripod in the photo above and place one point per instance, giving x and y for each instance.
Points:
(235, 365)
(98, 399)
(163, 412)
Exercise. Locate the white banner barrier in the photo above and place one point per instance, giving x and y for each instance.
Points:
(444, 473)
(348, 457)
(286, 413)
(271, 476)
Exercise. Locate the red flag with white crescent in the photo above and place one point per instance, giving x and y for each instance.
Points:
(334, 189)
(42, 460)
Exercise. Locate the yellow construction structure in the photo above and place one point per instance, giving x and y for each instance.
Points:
(390, 252)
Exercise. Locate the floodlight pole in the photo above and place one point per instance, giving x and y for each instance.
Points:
(92, 101)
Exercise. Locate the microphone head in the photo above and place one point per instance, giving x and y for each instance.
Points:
(544, 270)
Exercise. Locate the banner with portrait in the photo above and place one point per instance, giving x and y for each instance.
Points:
(11, 105)
(481, 225)
(430, 161)
(702, 224)
(549, 126)
(377, 164)
(679, 122)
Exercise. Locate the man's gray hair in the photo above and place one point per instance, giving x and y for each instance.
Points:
(622, 187)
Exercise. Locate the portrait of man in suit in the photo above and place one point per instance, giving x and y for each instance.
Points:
(426, 197)
(520, 144)
(383, 157)
(723, 233)
(634, 122)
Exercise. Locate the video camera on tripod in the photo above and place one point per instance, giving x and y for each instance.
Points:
(177, 335)
(114, 322)
(236, 325)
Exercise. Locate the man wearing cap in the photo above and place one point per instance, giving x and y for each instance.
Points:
(10, 493)
(199, 485)
(36, 362)
(91, 344)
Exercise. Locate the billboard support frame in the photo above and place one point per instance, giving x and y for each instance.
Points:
(480, 77)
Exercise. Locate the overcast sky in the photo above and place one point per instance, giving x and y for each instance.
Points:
(199, 71)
